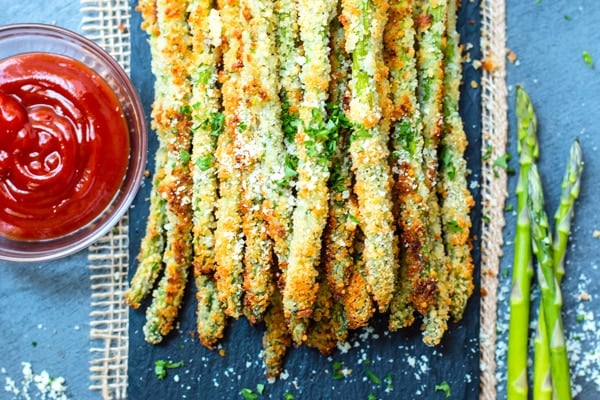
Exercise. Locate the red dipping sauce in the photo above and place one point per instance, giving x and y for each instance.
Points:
(64, 146)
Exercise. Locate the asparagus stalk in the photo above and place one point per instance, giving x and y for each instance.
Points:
(456, 200)
(570, 192)
(207, 125)
(364, 22)
(259, 150)
(522, 271)
(407, 144)
(431, 294)
(276, 339)
(342, 222)
(549, 287)
(174, 120)
(229, 241)
(542, 377)
(312, 139)
(153, 243)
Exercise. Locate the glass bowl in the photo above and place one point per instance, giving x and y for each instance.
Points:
(39, 38)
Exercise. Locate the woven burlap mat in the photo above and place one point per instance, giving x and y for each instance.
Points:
(494, 136)
(107, 23)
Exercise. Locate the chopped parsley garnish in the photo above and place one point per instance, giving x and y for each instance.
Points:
(487, 154)
(389, 384)
(288, 396)
(360, 133)
(337, 370)
(161, 367)
(204, 163)
(580, 318)
(447, 163)
(568, 17)
(372, 377)
(184, 156)
(371, 396)
(353, 218)
(248, 394)
(443, 387)
(587, 58)
(453, 226)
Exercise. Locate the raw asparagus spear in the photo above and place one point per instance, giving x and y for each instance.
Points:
(522, 269)
(549, 287)
(542, 376)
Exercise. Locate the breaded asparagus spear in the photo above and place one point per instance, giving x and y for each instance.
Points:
(312, 140)
(431, 293)
(410, 189)
(364, 22)
(174, 119)
(342, 221)
(276, 339)
(358, 304)
(456, 200)
(153, 243)
(229, 241)
(207, 125)
(259, 151)
(211, 320)
(282, 159)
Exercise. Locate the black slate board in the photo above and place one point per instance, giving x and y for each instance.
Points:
(414, 368)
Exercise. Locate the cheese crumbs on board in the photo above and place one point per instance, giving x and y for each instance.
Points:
(310, 169)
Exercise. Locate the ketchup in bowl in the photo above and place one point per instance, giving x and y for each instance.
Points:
(64, 146)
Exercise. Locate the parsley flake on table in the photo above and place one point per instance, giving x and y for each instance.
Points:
(443, 387)
(587, 58)
(161, 367)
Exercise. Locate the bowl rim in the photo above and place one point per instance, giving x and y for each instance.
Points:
(71, 243)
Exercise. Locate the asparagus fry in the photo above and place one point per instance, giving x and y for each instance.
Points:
(174, 122)
(276, 339)
(207, 125)
(456, 200)
(522, 270)
(431, 294)
(153, 243)
(342, 222)
(549, 286)
(364, 21)
(229, 241)
(260, 152)
(410, 189)
(211, 320)
(282, 160)
(313, 167)
(542, 377)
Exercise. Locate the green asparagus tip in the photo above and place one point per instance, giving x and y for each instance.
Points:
(526, 123)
